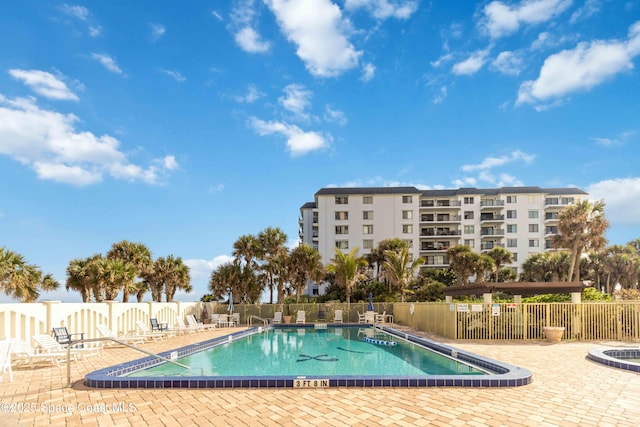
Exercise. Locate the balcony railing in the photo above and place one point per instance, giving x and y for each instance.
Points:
(435, 218)
(489, 218)
(491, 203)
(492, 232)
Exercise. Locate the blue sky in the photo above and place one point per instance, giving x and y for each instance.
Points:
(184, 126)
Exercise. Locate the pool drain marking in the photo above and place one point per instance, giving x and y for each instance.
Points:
(319, 358)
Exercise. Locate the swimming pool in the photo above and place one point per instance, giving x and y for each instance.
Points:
(622, 358)
(291, 357)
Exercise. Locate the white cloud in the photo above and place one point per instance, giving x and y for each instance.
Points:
(49, 143)
(250, 41)
(491, 162)
(157, 30)
(175, 74)
(217, 15)
(79, 12)
(509, 63)
(108, 62)
(444, 58)
(243, 26)
(384, 9)
(334, 116)
(299, 142)
(95, 30)
(581, 68)
(252, 95)
(590, 8)
(621, 197)
(620, 139)
(440, 95)
(45, 84)
(296, 100)
(320, 34)
(201, 268)
(472, 64)
(501, 19)
(368, 71)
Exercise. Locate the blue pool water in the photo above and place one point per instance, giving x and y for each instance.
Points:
(282, 357)
(305, 351)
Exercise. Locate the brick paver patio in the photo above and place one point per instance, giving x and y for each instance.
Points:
(567, 390)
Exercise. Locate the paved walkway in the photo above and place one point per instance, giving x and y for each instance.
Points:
(567, 390)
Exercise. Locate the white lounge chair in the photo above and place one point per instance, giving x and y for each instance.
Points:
(300, 318)
(337, 318)
(5, 359)
(145, 332)
(107, 333)
(277, 317)
(183, 327)
(47, 344)
(22, 352)
(193, 322)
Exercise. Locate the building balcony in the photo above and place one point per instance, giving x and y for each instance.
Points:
(440, 204)
(434, 248)
(491, 204)
(491, 218)
(492, 233)
(484, 247)
(442, 233)
(440, 218)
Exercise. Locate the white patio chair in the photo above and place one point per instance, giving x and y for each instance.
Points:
(5, 359)
(362, 318)
(183, 327)
(380, 318)
(300, 318)
(107, 333)
(193, 322)
(277, 317)
(337, 318)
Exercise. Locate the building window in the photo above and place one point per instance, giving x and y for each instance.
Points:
(533, 228)
(367, 200)
(515, 256)
(469, 242)
(512, 214)
(511, 199)
(468, 214)
(512, 243)
(407, 228)
(367, 215)
(342, 200)
(407, 214)
(342, 229)
(367, 244)
(342, 244)
(367, 229)
(342, 215)
(407, 199)
(533, 214)
(468, 229)
(512, 228)
(566, 200)
(468, 200)
(534, 243)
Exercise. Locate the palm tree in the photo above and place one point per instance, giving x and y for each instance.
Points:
(227, 275)
(463, 262)
(112, 275)
(272, 248)
(169, 275)
(378, 254)
(400, 269)
(484, 263)
(500, 256)
(348, 269)
(139, 256)
(581, 226)
(22, 280)
(305, 263)
(80, 276)
(246, 248)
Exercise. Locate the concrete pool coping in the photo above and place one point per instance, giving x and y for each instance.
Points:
(616, 357)
(501, 374)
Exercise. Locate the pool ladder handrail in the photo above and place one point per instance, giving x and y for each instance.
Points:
(73, 342)
(264, 321)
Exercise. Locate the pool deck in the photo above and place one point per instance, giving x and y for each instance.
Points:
(567, 390)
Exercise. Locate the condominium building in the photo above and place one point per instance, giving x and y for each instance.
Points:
(521, 219)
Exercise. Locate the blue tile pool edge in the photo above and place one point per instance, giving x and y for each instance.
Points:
(502, 374)
(615, 357)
